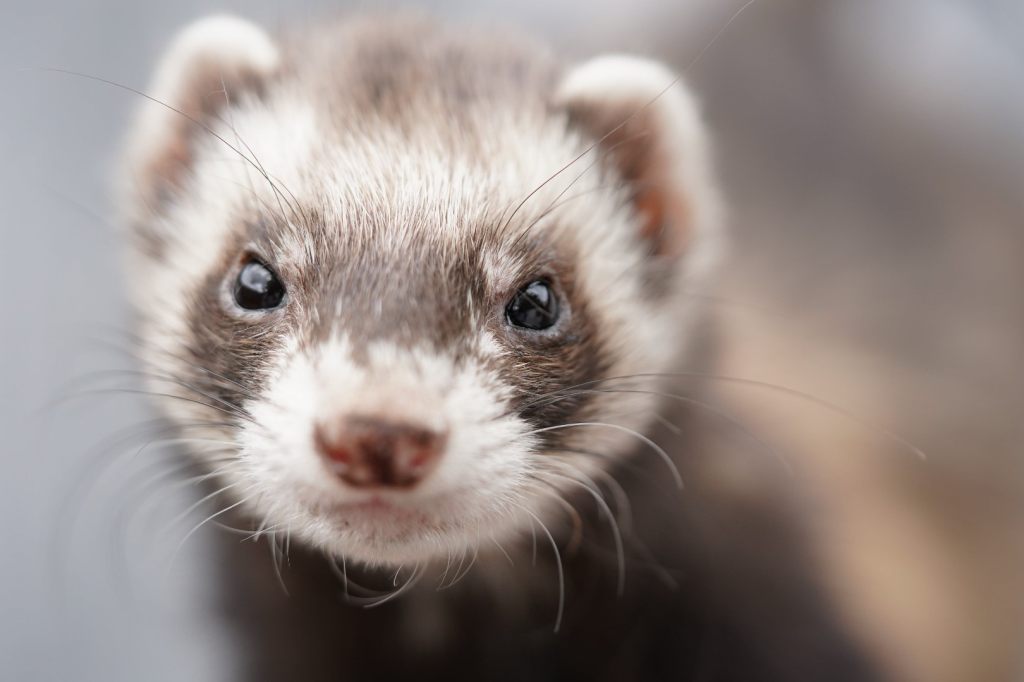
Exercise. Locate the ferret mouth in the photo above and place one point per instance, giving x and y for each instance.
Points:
(386, 517)
(392, 529)
(377, 507)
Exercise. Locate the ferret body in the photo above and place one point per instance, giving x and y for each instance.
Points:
(431, 295)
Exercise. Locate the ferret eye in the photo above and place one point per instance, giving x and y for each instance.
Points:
(257, 287)
(533, 307)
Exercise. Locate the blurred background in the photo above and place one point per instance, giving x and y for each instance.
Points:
(872, 154)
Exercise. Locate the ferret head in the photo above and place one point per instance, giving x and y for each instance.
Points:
(389, 270)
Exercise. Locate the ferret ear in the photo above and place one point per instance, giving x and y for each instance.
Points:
(211, 63)
(649, 130)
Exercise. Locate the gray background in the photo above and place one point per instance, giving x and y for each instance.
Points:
(873, 153)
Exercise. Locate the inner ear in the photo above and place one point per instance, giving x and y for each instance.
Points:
(627, 142)
(647, 129)
(211, 65)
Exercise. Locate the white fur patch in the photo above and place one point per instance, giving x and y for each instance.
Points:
(473, 492)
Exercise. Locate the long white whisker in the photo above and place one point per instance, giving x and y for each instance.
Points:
(199, 525)
(558, 563)
(192, 507)
(502, 550)
(618, 427)
(620, 552)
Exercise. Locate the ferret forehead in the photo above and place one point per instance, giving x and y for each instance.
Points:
(373, 179)
(459, 184)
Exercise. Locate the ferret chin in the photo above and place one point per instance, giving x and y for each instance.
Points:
(413, 285)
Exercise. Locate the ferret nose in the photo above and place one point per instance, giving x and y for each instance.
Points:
(368, 452)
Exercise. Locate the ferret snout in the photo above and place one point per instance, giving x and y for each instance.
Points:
(374, 452)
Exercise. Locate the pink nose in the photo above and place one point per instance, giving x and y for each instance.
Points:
(368, 452)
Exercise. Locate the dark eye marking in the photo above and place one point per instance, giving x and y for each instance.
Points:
(257, 287)
(535, 306)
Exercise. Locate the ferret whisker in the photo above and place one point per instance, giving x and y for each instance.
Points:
(226, 463)
(558, 564)
(612, 458)
(198, 503)
(653, 563)
(140, 345)
(238, 141)
(795, 393)
(71, 391)
(533, 538)
(804, 396)
(132, 509)
(548, 489)
(275, 561)
(595, 145)
(161, 395)
(501, 549)
(563, 465)
(344, 573)
(462, 560)
(580, 195)
(712, 409)
(367, 594)
(447, 568)
(168, 472)
(623, 506)
(673, 429)
(677, 477)
(88, 475)
(202, 523)
(294, 204)
(225, 446)
(613, 523)
(89, 212)
(148, 492)
(717, 36)
(191, 119)
(462, 574)
(414, 578)
(605, 153)
(247, 533)
(263, 529)
(239, 411)
(248, 187)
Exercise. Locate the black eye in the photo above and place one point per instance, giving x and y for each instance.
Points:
(257, 287)
(533, 307)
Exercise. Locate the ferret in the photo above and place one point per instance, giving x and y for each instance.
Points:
(423, 298)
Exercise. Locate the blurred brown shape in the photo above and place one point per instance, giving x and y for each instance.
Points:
(873, 159)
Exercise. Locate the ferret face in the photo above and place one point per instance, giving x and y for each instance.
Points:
(390, 272)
